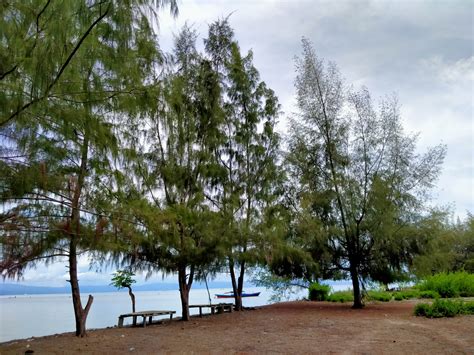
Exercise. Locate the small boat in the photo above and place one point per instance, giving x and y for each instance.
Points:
(231, 294)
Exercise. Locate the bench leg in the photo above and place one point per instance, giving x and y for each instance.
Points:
(150, 319)
(200, 312)
(144, 321)
(134, 320)
(120, 322)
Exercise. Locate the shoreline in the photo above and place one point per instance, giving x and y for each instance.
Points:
(298, 326)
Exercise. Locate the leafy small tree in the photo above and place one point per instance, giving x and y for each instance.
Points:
(124, 279)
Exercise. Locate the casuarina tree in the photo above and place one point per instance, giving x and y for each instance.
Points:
(359, 177)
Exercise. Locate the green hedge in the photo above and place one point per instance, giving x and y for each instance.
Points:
(341, 296)
(382, 296)
(444, 308)
(458, 284)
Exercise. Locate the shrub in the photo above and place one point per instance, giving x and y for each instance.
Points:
(341, 296)
(422, 309)
(429, 294)
(379, 296)
(318, 292)
(450, 285)
(468, 307)
(444, 308)
(398, 296)
(406, 294)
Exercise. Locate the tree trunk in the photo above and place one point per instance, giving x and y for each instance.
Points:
(80, 313)
(235, 288)
(132, 297)
(184, 293)
(240, 285)
(356, 288)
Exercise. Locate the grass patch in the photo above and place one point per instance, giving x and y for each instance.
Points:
(444, 308)
(458, 284)
(382, 296)
(341, 296)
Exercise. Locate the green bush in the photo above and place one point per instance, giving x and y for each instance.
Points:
(398, 296)
(341, 296)
(444, 308)
(382, 296)
(422, 309)
(450, 285)
(406, 294)
(428, 294)
(468, 307)
(318, 292)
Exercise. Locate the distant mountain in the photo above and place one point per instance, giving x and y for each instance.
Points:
(17, 289)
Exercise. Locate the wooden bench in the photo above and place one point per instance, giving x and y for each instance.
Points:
(220, 307)
(145, 315)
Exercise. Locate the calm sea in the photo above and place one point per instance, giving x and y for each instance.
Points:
(36, 315)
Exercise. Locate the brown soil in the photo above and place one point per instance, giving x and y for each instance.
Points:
(292, 327)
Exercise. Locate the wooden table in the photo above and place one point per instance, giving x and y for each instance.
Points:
(145, 315)
(220, 307)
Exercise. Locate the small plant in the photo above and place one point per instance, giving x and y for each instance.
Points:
(318, 292)
(341, 296)
(124, 279)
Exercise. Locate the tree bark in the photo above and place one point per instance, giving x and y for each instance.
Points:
(235, 288)
(240, 286)
(80, 313)
(356, 287)
(184, 293)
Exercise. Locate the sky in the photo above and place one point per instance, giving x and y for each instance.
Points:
(420, 50)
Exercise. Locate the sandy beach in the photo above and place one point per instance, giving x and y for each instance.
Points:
(289, 327)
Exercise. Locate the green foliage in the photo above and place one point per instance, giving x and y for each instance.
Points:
(341, 296)
(406, 294)
(444, 308)
(447, 246)
(382, 296)
(318, 292)
(123, 278)
(428, 294)
(422, 309)
(449, 285)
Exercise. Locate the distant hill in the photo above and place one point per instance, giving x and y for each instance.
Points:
(17, 289)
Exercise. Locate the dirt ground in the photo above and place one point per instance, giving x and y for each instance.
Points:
(291, 327)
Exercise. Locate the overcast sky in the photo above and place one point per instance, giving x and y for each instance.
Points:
(420, 50)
